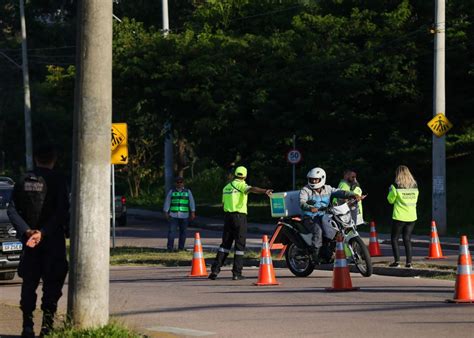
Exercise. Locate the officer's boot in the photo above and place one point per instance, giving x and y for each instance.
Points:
(218, 262)
(48, 322)
(237, 268)
(28, 326)
(315, 255)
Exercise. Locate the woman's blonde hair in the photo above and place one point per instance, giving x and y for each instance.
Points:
(403, 178)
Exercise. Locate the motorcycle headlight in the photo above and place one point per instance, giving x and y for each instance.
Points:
(346, 218)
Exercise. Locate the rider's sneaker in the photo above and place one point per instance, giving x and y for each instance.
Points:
(409, 266)
(212, 276)
(395, 265)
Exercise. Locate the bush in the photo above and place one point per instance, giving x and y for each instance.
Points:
(207, 185)
(111, 330)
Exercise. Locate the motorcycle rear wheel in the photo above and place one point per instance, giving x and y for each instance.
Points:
(298, 261)
(361, 257)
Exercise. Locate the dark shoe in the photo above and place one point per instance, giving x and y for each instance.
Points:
(238, 277)
(315, 257)
(28, 332)
(409, 266)
(395, 265)
(44, 332)
(212, 276)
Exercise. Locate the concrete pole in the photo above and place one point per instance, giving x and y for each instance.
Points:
(88, 298)
(168, 146)
(166, 24)
(168, 166)
(26, 87)
(439, 106)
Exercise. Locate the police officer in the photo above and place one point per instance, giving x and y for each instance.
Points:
(179, 208)
(403, 194)
(39, 211)
(349, 183)
(234, 199)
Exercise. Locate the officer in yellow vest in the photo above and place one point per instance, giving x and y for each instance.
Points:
(234, 199)
(404, 196)
(349, 183)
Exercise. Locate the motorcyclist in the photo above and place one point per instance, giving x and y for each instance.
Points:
(314, 197)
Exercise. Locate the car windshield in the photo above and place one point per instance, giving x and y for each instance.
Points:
(5, 195)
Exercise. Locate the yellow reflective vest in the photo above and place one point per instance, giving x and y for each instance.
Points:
(404, 203)
(235, 195)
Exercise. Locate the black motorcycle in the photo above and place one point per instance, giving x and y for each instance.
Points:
(294, 239)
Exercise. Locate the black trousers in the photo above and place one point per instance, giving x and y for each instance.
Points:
(406, 228)
(46, 264)
(235, 230)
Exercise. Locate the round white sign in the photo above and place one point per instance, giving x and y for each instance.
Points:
(293, 156)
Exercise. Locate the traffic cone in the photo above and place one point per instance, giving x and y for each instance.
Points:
(464, 289)
(374, 246)
(435, 246)
(341, 279)
(266, 274)
(198, 265)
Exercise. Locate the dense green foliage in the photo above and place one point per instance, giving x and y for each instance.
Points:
(352, 79)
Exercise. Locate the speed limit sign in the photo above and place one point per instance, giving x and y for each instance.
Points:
(294, 156)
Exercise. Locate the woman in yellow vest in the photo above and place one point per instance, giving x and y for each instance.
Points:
(403, 195)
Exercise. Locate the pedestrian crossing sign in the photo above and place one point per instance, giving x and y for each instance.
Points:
(440, 125)
(119, 143)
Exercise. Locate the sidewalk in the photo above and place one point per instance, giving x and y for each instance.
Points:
(423, 267)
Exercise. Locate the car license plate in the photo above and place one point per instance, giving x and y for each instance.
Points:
(11, 246)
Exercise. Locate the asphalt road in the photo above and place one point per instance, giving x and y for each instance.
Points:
(156, 301)
(164, 302)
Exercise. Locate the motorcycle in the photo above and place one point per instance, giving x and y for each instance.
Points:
(295, 241)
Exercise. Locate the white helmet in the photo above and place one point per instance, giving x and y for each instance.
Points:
(316, 173)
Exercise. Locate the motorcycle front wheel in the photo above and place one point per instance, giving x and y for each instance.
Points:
(361, 257)
(298, 261)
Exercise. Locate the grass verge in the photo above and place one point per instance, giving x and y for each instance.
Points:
(150, 256)
(111, 330)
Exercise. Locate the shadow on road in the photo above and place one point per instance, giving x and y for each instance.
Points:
(317, 307)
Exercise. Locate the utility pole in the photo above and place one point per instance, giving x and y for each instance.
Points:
(168, 132)
(88, 298)
(439, 106)
(26, 87)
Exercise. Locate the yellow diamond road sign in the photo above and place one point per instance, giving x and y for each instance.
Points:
(119, 145)
(440, 125)
(119, 134)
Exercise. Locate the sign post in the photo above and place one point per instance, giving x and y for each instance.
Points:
(119, 148)
(294, 157)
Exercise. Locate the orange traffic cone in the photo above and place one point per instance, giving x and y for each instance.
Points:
(435, 246)
(341, 279)
(374, 246)
(198, 265)
(266, 274)
(464, 289)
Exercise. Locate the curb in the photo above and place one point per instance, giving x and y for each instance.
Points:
(377, 270)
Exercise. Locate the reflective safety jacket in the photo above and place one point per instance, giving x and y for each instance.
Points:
(235, 196)
(179, 203)
(404, 203)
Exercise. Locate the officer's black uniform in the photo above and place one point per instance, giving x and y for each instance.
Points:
(47, 261)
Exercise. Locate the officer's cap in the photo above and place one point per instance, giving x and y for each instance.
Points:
(240, 172)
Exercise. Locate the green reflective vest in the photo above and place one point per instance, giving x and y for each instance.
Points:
(179, 201)
(404, 203)
(343, 185)
(234, 196)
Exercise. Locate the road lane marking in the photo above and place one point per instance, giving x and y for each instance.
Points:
(180, 331)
